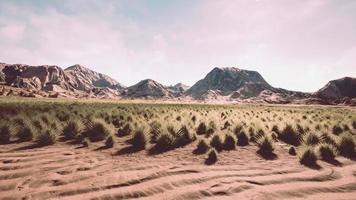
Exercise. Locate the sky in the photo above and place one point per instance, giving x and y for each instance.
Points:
(294, 44)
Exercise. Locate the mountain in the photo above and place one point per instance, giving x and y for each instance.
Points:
(76, 80)
(85, 79)
(147, 88)
(178, 88)
(225, 81)
(228, 84)
(340, 88)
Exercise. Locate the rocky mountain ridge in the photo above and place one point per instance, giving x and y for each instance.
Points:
(228, 84)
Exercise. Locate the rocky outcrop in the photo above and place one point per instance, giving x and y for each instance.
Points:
(148, 88)
(82, 78)
(73, 81)
(338, 89)
(225, 81)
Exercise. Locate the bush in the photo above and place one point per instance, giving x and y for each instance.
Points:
(46, 138)
(346, 145)
(155, 131)
(216, 142)
(202, 147)
(237, 129)
(337, 130)
(329, 139)
(110, 141)
(202, 128)
(327, 152)
(292, 151)
(311, 139)
(289, 135)
(5, 134)
(98, 130)
(266, 145)
(212, 157)
(307, 156)
(165, 142)
(183, 137)
(242, 138)
(139, 139)
(229, 142)
(26, 132)
(72, 129)
(124, 131)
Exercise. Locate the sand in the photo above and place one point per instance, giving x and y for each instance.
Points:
(66, 171)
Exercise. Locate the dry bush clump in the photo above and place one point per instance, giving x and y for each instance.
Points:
(307, 156)
(98, 130)
(212, 157)
(346, 145)
(170, 126)
(72, 129)
(202, 147)
(5, 134)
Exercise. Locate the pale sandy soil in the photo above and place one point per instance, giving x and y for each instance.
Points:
(64, 171)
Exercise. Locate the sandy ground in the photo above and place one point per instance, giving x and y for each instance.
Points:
(64, 171)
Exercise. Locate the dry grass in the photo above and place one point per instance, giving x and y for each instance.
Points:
(159, 127)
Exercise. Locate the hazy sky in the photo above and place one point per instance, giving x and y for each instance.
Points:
(294, 44)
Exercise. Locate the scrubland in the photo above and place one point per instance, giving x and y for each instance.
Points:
(131, 149)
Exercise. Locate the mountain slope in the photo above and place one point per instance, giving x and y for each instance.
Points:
(227, 80)
(75, 81)
(340, 88)
(85, 79)
(147, 88)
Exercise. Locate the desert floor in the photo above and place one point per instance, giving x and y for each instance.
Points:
(66, 171)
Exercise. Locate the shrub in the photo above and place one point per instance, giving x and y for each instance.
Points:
(327, 152)
(229, 142)
(110, 141)
(139, 139)
(307, 156)
(237, 129)
(311, 139)
(72, 129)
(289, 135)
(275, 129)
(124, 131)
(292, 151)
(216, 142)
(265, 144)
(5, 134)
(46, 138)
(346, 145)
(98, 130)
(202, 147)
(26, 132)
(337, 130)
(165, 142)
(329, 139)
(242, 138)
(201, 128)
(183, 137)
(212, 157)
(155, 131)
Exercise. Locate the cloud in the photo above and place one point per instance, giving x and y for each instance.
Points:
(294, 44)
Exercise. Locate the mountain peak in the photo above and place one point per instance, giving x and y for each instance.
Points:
(339, 88)
(227, 80)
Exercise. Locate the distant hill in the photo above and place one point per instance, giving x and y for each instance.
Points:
(340, 88)
(148, 88)
(224, 81)
(228, 84)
